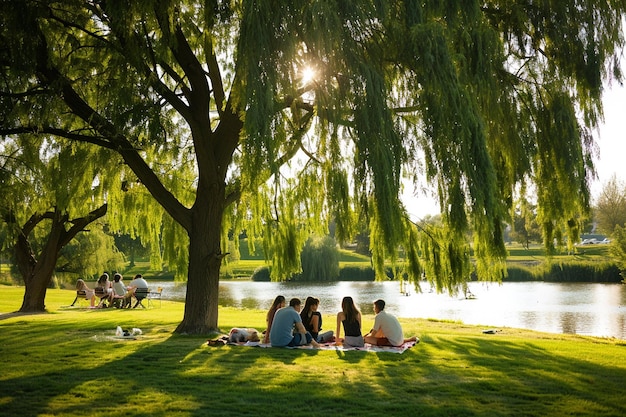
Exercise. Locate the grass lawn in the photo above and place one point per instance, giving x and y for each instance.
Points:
(66, 363)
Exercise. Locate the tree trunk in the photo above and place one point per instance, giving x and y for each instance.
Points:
(36, 286)
(37, 272)
(205, 259)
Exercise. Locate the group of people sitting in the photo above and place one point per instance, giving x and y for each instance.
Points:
(112, 293)
(295, 326)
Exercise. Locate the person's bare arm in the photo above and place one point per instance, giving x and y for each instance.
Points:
(339, 320)
(300, 328)
(315, 323)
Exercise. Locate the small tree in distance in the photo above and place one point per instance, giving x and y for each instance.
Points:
(320, 259)
(610, 207)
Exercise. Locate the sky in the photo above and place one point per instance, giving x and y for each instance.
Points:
(611, 139)
(611, 158)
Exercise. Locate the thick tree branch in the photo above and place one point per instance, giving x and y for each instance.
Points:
(79, 224)
(193, 70)
(100, 141)
(215, 76)
(50, 75)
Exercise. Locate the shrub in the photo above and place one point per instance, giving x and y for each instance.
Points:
(262, 273)
(583, 272)
(357, 273)
(567, 272)
(520, 274)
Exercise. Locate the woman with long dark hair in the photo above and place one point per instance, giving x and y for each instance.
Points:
(279, 302)
(350, 317)
(312, 320)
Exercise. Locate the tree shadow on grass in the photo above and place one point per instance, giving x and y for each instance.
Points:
(171, 374)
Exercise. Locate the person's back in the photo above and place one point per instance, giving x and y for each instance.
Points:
(119, 288)
(279, 302)
(351, 328)
(390, 327)
(281, 332)
(138, 282)
(350, 318)
(387, 330)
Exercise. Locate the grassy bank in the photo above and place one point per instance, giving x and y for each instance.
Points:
(66, 363)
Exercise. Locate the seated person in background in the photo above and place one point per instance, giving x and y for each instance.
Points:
(279, 302)
(120, 292)
(104, 290)
(89, 293)
(387, 330)
(312, 321)
(350, 317)
(239, 335)
(137, 282)
(285, 320)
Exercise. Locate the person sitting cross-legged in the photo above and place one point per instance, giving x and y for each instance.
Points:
(287, 328)
(387, 330)
(350, 317)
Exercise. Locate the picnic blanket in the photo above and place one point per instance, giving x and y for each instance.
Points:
(332, 346)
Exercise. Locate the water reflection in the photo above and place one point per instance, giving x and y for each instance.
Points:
(590, 309)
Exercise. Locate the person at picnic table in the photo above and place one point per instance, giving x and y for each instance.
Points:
(137, 282)
(106, 289)
(350, 318)
(387, 330)
(312, 321)
(287, 328)
(89, 293)
(120, 291)
(279, 302)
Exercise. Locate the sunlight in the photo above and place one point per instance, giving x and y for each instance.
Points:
(307, 75)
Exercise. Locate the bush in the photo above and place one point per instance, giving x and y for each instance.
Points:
(261, 274)
(357, 273)
(584, 272)
(568, 272)
(520, 274)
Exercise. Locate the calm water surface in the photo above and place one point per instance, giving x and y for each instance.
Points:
(587, 309)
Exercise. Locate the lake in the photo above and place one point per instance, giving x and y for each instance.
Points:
(573, 308)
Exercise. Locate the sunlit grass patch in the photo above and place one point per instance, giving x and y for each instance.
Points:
(66, 363)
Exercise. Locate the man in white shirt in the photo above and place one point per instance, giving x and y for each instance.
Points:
(139, 288)
(387, 330)
(138, 282)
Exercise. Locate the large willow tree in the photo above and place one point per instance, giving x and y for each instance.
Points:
(209, 108)
(48, 198)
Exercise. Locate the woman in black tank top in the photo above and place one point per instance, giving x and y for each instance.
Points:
(350, 318)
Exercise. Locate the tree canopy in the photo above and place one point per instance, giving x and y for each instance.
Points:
(210, 108)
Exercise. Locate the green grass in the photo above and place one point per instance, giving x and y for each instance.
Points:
(536, 252)
(63, 363)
